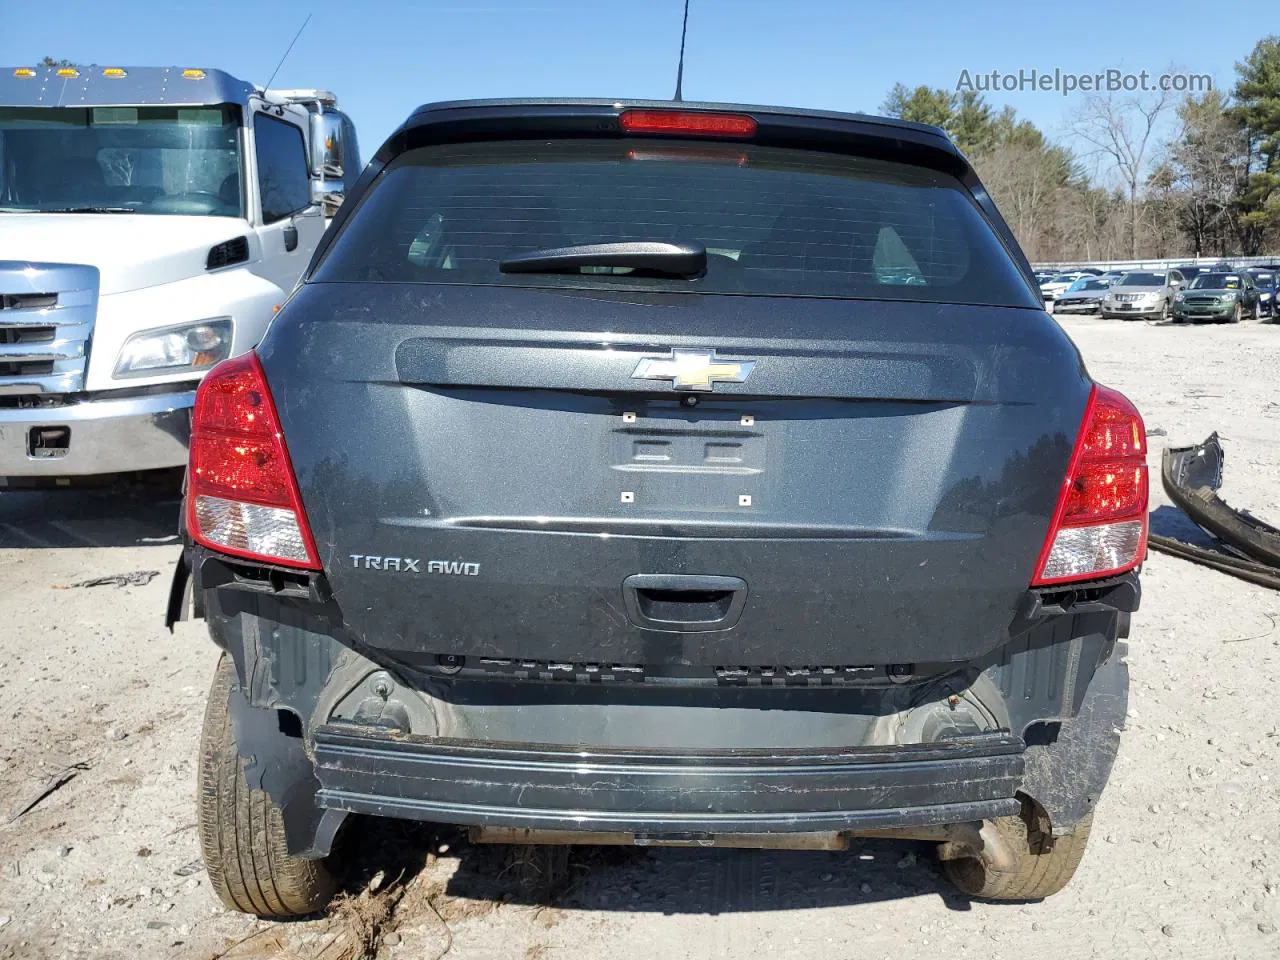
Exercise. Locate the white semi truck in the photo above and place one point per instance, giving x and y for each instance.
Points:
(152, 220)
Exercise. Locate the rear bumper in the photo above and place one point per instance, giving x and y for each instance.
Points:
(591, 753)
(106, 435)
(666, 792)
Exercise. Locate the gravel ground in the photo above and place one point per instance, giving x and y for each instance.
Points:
(1184, 860)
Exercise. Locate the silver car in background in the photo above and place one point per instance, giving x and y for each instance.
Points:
(1142, 295)
(1083, 296)
(1057, 285)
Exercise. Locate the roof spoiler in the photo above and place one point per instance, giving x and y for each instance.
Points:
(775, 126)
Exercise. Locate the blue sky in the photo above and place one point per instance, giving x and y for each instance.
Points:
(383, 58)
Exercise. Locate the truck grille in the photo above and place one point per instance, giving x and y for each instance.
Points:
(25, 334)
(47, 313)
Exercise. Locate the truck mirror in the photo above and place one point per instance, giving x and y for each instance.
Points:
(327, 146)
(329, 196)
(328, 131)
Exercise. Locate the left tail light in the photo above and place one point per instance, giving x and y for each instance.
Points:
(242, 495)
(1100, 526)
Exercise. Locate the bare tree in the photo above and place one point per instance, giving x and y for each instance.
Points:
(1120, 131)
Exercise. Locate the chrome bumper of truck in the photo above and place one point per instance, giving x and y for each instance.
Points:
(96, 436)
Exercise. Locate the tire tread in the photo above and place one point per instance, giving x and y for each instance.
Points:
(241, 829)
(1044, 865)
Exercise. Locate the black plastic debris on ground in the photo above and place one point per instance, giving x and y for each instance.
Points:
(1191, 477)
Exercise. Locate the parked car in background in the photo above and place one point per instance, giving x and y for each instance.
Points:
(152, 219)
(494, 534)
(1083, 296)
(1055, 286)
(1218, 296)
(1268, 283)
(1142, 294)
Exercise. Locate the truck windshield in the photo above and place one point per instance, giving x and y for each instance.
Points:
(159, 160)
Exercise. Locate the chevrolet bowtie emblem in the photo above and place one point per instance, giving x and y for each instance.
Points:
(693, 369)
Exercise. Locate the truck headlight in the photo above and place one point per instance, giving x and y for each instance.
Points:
(190, 346)
(1179, 297)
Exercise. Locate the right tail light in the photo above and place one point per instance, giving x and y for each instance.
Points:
(242, 497)
(1100, 525)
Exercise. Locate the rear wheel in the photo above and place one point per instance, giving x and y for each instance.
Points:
(241, 829)
(1041, 864)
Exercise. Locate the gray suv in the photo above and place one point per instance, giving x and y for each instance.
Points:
(662, 474)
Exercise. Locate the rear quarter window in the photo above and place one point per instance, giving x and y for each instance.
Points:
(774, 221)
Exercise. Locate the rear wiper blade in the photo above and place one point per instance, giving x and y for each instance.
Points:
(674, 259)
(87, 210)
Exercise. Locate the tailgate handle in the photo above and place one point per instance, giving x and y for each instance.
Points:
(680, 603)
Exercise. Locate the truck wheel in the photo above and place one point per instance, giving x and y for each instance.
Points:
(1042, 864)
(241, 829)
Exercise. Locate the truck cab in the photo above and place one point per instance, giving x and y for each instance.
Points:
(152, 221)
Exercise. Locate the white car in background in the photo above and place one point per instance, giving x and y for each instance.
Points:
(1056, 286)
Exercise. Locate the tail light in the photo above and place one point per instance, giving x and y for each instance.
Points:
(242, 497)
(1100, 526)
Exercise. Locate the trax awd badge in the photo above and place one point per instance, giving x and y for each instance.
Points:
(454, 568)
(693, 369)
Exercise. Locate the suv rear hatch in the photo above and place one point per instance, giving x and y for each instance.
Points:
(839, 447)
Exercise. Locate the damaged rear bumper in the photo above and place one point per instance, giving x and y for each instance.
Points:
(1192, 476)
(711, 759)
(664, 793)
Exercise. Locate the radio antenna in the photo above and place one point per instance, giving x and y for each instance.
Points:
(684, 29)
(290, 50)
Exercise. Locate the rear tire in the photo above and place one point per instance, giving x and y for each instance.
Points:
(241, 829)
(1043, 864)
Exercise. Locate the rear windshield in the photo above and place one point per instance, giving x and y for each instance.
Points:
(774, 221)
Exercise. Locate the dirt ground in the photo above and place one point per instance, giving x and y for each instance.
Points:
(1184, 860)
